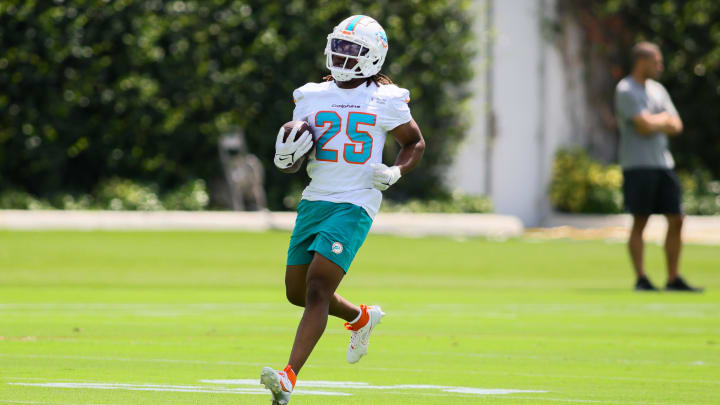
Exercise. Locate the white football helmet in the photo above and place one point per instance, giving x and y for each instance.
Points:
(359, 38)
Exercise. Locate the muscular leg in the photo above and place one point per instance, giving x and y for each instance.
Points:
(323, 278)
(673, 244)
(636, 244)
(295, 289)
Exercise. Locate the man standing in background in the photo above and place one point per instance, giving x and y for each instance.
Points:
(646, 117)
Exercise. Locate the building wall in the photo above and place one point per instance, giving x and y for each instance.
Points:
(469, 172)
(529, 100)
(516, 103)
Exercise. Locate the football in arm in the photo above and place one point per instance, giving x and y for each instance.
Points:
(302, 127)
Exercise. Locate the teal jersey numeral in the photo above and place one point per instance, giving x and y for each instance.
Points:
(363, 138)
(358, 138)
(321, 119)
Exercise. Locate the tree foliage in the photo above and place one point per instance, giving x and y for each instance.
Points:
(92, 89)
(688, 32)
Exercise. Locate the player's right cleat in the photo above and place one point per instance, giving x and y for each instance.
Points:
(280, 383)
(360, 339)
(644, 284)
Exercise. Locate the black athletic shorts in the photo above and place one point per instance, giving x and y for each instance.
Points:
(652, 191)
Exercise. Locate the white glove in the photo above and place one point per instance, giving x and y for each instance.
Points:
(383, 176)
(288, 152)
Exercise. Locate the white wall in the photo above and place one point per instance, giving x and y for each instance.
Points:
(469, 169)
(534, 91)
(516, 103)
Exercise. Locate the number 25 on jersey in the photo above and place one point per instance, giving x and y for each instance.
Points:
(357, 138)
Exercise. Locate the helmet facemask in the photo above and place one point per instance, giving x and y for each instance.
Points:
(352, 57)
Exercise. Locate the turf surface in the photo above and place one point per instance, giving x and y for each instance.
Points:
(188, 318)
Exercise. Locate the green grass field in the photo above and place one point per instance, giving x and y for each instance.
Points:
(109, 318)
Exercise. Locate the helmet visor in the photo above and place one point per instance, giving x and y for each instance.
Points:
(343, 47)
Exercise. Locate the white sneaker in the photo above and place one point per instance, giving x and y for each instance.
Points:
(360, 339)
(279, 384)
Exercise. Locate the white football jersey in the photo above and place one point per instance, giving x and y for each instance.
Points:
(350, 127)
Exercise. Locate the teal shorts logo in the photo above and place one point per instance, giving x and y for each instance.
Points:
(337, 248)
(334, 230)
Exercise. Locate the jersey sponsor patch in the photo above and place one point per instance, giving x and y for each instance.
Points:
(345, 106)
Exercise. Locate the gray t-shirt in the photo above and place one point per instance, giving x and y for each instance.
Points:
(637, 150)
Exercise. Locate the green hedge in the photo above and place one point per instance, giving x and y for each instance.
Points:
(450, 203)
(701, 194)
(455, 204)
(92, 90)
(581, 184)
(115, 194)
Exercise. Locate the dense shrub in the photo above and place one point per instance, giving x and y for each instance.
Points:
(454, 204)
(122, 195)
(192, 196)
(701, 194)
(581, 184)
(115, 194)
(67, 201)
(20, 200)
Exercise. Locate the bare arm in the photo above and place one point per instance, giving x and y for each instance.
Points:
(412, 144)
(646, 123)
(675, 125)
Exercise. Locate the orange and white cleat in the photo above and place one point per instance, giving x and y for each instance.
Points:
(360, 339)
(280, 383)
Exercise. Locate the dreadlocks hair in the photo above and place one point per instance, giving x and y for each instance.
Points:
(377, 78)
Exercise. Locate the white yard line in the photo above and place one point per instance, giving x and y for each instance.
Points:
(367, 386)
(439, 390)
(586, 401)
(419, 390)
(251, 387)
(5, 401)
(536, 399)
(138, 306)
(171, 388)
(472, 308)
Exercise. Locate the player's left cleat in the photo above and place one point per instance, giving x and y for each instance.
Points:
(280, 384)
(360, 339)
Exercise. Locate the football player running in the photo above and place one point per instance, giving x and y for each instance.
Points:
(351, 112)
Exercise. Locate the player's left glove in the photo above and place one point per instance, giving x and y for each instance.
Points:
(383, 176)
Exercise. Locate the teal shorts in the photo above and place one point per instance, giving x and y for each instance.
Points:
(335, 230)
